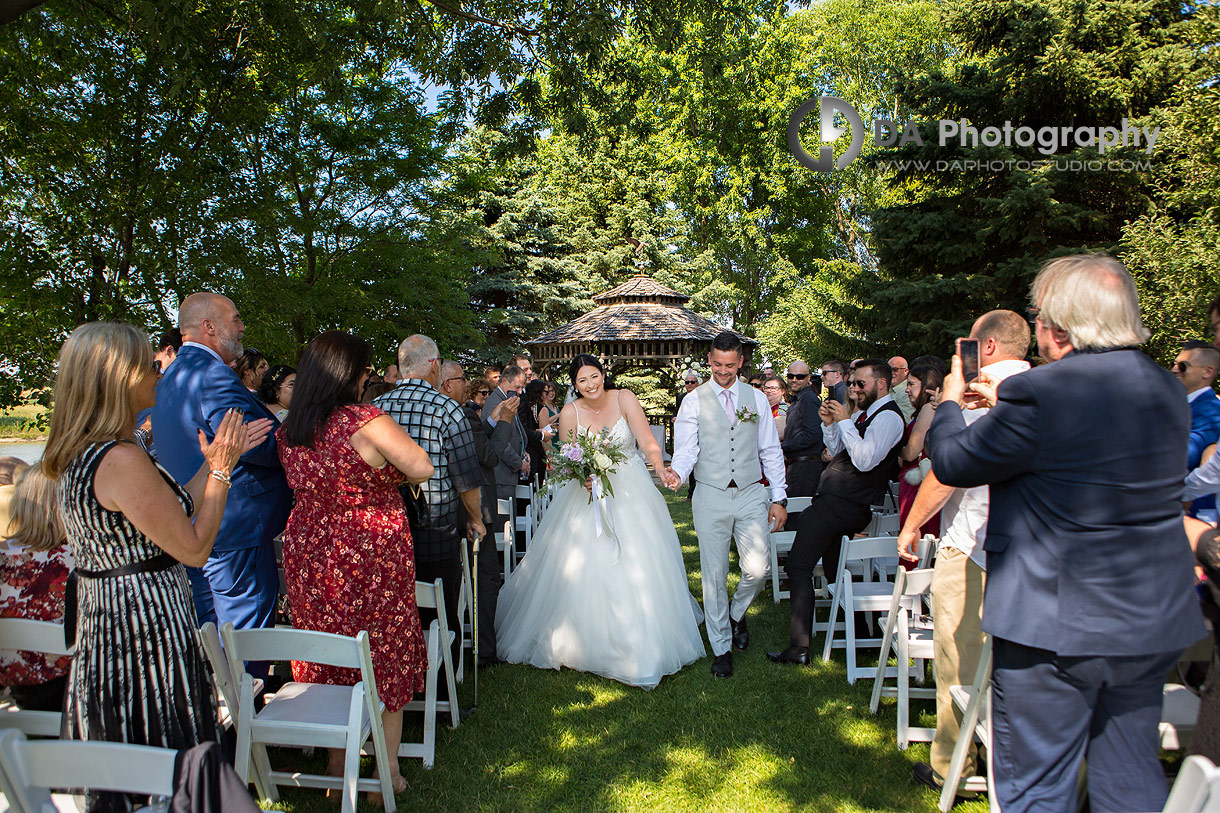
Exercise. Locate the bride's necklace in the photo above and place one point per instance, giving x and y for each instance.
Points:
(605, 403)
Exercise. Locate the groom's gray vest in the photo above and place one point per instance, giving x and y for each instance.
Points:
(727, 453)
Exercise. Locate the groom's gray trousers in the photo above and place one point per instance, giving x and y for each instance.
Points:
(721, 514)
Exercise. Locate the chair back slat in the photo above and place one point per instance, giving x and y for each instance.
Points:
(35, 767)
(430, 595)
(798, 504)
(855, 550)
(914, 582)
(280, 644)
(34, 636)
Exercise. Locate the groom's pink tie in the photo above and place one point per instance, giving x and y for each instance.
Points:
(727, 396)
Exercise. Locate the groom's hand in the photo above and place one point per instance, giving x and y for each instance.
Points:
(778, 516)
(670, 479)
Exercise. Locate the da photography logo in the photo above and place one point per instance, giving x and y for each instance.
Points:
(1046, 140)
(827, 107)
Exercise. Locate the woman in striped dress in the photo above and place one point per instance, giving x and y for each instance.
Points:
(139, 675)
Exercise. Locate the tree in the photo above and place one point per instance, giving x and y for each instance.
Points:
(953, 244)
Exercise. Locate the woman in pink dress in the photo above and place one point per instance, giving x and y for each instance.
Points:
(924, 391)
(348, 558)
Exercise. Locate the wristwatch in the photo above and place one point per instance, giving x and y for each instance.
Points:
(781, 503)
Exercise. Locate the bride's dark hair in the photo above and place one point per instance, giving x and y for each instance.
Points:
(585, 360)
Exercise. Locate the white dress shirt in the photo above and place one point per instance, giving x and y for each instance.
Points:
(866, 452)
(686, 438)
(963, 520)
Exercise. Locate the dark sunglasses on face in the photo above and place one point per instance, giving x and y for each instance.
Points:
(798, 376)
(857, 383)
(484, 393)
(1181, 366)
(756, 385)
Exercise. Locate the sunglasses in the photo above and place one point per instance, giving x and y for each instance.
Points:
(857, 383)
(756, 385)
(798, 376)
(1031, 314)
(484, 393)
(1181, 366)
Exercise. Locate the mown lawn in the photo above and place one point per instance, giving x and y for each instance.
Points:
(21, 422)
(769, 738)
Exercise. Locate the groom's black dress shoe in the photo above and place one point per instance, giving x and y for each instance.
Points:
(741, 634)
(722, 666)
(793, 654)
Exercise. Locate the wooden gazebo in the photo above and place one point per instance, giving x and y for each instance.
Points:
(640, 323)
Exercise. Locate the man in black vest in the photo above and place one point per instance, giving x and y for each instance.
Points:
(865, 458)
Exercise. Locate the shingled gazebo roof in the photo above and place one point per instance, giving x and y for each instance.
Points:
(639, 321)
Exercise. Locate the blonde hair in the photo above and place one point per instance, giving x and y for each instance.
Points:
(34, 510)
(99, 367)
(1093, 298)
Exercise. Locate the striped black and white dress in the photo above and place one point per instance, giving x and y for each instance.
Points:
(139, 675)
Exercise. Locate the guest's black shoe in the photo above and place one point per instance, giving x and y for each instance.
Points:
(447, 716)
(793, 654)
(722, 666)
(925, 775)
(741, 634)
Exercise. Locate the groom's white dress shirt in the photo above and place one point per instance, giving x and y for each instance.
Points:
(686, 435)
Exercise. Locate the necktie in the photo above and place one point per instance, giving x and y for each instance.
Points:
(860, 421)
(727, 397)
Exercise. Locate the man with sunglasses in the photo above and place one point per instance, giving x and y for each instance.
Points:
(1196, 367)
(802, 444)
(865, 449)
(834, 376)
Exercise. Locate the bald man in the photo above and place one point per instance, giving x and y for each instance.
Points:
(899, 392)
(239, 583)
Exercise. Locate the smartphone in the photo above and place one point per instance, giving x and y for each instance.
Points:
(968, 351)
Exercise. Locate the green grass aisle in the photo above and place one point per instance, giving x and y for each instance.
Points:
(769, 738)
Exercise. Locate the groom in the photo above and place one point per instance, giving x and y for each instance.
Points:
(722, 432)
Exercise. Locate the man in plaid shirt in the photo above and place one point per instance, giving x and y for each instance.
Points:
(439, 426)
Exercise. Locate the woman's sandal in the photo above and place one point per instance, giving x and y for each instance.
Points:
(398, 783)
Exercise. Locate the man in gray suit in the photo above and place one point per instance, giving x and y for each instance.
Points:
(513, 459)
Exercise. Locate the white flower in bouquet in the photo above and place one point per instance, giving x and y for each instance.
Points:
(602, 462)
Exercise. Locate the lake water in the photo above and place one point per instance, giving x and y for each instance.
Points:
(29, 451)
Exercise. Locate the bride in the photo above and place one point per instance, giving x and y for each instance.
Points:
(617, 604)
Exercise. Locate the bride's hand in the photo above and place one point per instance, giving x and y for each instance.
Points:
(670, 479)
(589, 484)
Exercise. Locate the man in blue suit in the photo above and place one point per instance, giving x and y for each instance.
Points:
(1089, 597)
(239, 583)
(1196, 367)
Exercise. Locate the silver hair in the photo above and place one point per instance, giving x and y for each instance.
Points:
(415, 354)
(449, 368)
(1093, 298)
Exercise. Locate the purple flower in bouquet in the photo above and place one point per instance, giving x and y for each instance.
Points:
(572, 452)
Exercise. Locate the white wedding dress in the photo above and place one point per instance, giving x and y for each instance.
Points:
(615, 606)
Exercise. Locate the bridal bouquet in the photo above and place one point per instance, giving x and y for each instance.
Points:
(589, 457)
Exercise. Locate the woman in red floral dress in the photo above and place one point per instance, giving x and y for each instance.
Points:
(33, 573)
(348, 558)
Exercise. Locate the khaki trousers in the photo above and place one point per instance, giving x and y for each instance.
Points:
(957, 608)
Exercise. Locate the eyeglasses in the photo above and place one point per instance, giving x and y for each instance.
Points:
(455, 378)
(857, 383)
(692, 383)
(798, 376)
(1031, 314)
(1181, 366)
(772, 388)
(484, 393)
(756, 385)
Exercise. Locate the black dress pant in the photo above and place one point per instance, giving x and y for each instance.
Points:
(491, 577)
(821, 530)
(803, 477)
(449, 571)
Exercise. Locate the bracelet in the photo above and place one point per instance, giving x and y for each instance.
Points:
(221, 475)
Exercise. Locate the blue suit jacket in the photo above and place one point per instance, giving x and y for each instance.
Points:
(1086, 554)
(194, 394)
(1204, 431)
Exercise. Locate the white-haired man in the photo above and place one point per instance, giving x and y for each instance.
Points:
(1089, 598)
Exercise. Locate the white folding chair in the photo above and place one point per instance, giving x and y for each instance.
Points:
(504, 536)
(28, 635)
(30, 769)
(309, 714)
(907, 641)
(1197, 788)
(227, 690)
(857, 597)
(465, 612)
(523, 521)
(781, 544)
(438, 636)
(974, 701)
(883, 523)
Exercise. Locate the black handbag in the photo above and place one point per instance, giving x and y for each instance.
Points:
(419, 516)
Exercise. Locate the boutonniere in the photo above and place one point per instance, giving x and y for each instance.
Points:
(746, 415)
